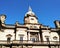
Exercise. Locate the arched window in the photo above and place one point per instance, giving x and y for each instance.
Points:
(55, 38)
(8, 38)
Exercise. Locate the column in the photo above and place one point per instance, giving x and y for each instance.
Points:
(28, 35)
(39, 36)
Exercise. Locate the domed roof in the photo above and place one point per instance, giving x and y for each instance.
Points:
(30, 12)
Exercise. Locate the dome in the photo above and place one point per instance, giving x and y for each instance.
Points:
(30, 12)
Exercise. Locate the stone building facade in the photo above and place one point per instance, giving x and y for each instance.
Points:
(31, 34)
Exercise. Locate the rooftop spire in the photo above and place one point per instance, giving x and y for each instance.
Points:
(30, 12)
(30, 9)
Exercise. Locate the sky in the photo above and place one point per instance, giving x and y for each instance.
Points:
(47, 11)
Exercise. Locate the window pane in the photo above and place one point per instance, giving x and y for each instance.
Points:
(47, 39)
(21, 38)
(8, 39)
(33, 39)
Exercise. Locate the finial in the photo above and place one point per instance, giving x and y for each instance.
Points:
(30, 9)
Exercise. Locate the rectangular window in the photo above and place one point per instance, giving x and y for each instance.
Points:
(21, 38)
(47, 39)
(33, 39)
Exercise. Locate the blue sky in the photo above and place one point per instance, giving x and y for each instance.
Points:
(47, 11)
